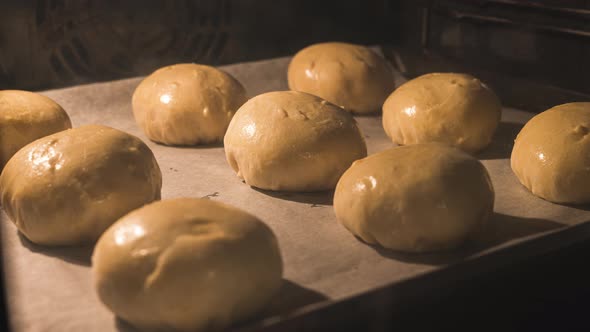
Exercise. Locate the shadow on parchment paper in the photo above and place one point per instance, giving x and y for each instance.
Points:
(192, 147)
(79, 255)
(583, 207)
(314, 199)
(289, 298)
(123, 326)
(501, 228)
(503, 141)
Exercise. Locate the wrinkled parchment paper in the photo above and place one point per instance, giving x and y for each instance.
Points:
(51, 289)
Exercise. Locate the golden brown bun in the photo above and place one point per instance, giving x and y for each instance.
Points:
(292, 141)
(187, 104)
(455, 109)
(24, 117)
(67, 188)
(415, 198)
(551, 154)
(186, 265)
(351, 76)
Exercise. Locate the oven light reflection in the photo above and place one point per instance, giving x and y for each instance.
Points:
(362, 185)
(165, 99)
(128, 233)
(311, 74)
(46, 158)
(410, 111)
(249, 130)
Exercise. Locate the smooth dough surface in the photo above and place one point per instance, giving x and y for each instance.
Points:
(415, 198)
(551, 154)
(351, 76)
(187, 104)
(67, 188)
(26, 116)
(292, 141)
(456, 109)
(187, 265)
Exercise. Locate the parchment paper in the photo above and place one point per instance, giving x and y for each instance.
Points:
(51, 289)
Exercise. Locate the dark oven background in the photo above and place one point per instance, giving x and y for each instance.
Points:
(534, 54)
(63, 42)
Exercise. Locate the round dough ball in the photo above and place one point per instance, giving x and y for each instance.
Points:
(187, 104)
(551, 154)
(351, 76)
(456, 109)
(292, 141)
(416, 198)
(24, 117)
(67, 188)
(186, 265)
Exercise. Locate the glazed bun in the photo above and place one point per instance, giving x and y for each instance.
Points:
(351, 76)
(187, 104)
(24, 117)
(292, 141)
(67, 188)
(551, 154)
(186, 265)
(415, 198)
(456, 109)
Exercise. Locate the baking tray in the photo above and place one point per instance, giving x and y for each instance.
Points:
(327, 270)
